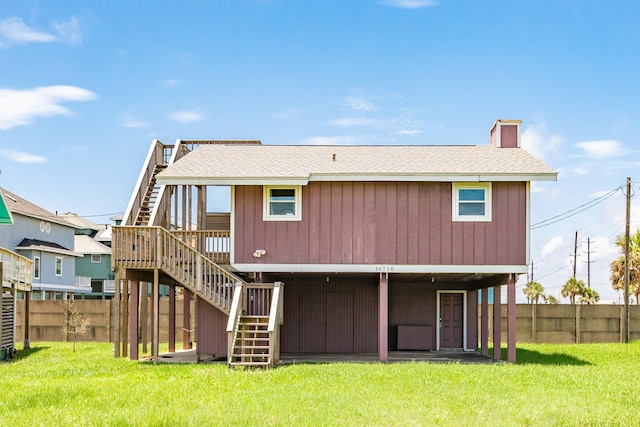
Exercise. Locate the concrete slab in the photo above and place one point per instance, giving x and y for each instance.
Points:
(190, 356)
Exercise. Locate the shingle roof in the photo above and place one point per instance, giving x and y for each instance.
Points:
(18, 205)
(87, 245)
(43, 245)
(238, 164)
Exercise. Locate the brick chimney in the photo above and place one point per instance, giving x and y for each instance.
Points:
(506, 133)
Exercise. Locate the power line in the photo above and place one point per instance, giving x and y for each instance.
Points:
(572, 212)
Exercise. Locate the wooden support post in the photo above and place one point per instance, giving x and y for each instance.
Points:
(578, 324)
(511, 319)
(155, 348)
(383, 317)
(134, 329)
(26, 319)
(144, 316)
(186, 319)
(125, 318)
(152, 315)
(172, 319)
(497, 323)
(120, 273)
(484, 323)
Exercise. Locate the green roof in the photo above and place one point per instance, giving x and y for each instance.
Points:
(5, 213)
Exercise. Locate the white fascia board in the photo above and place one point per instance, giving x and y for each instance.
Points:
(435, 177)
(232, 181)
(48, 249)
(380, 268)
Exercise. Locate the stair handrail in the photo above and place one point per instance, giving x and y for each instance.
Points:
(276, 318)
(155, 156)
(234, 319)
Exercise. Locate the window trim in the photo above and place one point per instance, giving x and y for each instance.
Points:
(266, 191)
(36, 267)
(99, 258)
(456, 187)
(58, 262)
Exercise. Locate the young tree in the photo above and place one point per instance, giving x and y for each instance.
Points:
(618, 267)
(533, 291)
(573, 288)
(550, 299)
(75, 323)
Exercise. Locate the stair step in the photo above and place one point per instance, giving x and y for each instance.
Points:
(249, 363)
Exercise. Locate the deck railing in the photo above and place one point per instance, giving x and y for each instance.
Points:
(215, 244)
(155, 247)
(16, 270)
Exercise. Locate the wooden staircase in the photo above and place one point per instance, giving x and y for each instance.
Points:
(250, 345)
(150, 198)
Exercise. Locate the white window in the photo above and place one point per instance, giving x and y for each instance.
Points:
(36, 267)
(282, 203)
(58, 266)
(96, 258)
(472, 201)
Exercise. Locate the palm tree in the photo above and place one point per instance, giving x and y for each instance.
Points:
(533, 291)
(618, 267)
(550, 299)
(589, 296)
(573, 288)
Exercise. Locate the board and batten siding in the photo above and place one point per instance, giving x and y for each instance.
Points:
(398, 223)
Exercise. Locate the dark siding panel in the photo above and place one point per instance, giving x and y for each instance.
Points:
(402, 235)
(336, 316)
(325, 223)
(346, 247)
(369, 223)
(411, 304)
(413, 224)
(391, 224)
(211, 334)
(336, 223)
(313, 218)
(358, 223)
(425, 221)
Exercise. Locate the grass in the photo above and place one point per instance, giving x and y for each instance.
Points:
(573, 385)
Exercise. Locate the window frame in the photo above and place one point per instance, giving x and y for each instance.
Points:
(99, 258)
(59, 263)
(266, 203)
(457, 186)
(36, 267)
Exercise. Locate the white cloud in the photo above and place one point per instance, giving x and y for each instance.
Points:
(134, 124)
(355, 121)
(21, 107)
(410, 4)
(536, 140)
(69, 31)
(13, 31)
(408, 132)
(602, 149)
(552, 245)
(186, 116)
(22, 157)
(360, 104)
(170, 83)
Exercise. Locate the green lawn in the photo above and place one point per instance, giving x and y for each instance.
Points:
(588, 384)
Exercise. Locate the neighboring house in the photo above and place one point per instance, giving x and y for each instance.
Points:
(15, 279)
(48, 241)
(380, 248)
(93, 241)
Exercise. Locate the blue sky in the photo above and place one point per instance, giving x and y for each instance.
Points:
(85, 86)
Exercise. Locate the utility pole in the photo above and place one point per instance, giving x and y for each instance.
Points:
(589, 251)
(626, 263)
(575, 255)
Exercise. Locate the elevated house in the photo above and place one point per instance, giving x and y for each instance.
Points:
(381, 248)
(47, 240)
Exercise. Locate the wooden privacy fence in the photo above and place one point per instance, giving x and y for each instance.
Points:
(541, 323)
(569, 324)
(49, 316)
